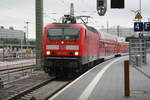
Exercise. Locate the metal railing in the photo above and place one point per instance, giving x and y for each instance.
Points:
(12, 72)
(17, 55)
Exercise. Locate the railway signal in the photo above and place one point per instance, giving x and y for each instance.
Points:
(101, 7)
(117, 3)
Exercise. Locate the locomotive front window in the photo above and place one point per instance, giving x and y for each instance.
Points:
(55, 33)
(71, 33)
(63, 33)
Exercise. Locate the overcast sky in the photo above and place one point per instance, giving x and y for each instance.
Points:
(16, 12)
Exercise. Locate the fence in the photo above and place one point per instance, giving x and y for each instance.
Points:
(11, 71)
(5, 55)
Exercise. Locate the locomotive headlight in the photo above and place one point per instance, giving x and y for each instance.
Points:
(62, 42)
(48, 52)
(76, 53)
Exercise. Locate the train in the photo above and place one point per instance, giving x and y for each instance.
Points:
(73, 48)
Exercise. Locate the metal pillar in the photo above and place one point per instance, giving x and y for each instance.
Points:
(126, 79)
(39, 32)
(140, 6)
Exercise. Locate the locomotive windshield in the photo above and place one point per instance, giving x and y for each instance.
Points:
(63, 33)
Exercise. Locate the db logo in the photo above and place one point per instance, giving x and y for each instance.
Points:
(62, 47)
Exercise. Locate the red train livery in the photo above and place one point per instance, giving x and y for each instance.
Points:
(74, 48)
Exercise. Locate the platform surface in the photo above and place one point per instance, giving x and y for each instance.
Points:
(106, 82)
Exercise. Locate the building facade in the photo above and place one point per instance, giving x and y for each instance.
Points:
(11, 34)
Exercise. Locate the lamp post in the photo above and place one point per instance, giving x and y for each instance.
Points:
(27, 33)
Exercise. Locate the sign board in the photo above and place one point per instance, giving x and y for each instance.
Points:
(137, 51)
(146, 26)
(147, 38)
(138, 26)
(138, 16)
(141, 26)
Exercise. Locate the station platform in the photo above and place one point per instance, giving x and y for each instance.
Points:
(106, 82)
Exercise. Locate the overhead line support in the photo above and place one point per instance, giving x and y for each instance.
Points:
(39, 32)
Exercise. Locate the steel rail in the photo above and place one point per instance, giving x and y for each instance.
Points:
(18, 70)
(27, 91)
(56, 91)
(8, 69)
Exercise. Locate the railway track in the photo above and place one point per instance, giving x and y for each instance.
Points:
(14, 59)
(15, 87)
(9, 75)
(42, 91)
(16, 69)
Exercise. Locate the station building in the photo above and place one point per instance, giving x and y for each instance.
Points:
(11, 34)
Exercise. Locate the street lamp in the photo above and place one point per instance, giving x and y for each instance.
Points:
(27, 32)
(25, 35)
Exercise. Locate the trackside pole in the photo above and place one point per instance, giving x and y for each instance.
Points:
(126, 78)
(39, 32)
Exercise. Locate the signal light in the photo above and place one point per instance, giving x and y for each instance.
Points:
(101, 7)
(117, 3)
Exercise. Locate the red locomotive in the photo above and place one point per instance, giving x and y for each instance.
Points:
(74, 48)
